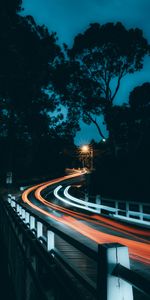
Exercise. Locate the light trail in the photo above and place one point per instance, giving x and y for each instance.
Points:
(89, 204)
(138, 250)
(97, 217)
(82, 216)
(69, 202)
(126, 228)
(49, 183)
(122, 228)
(85, 205)
(86, 218)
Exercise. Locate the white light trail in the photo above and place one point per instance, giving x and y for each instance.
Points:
(69, 202)
(89, 204)
(82, 204)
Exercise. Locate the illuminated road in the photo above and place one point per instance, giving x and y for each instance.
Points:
(95, 227)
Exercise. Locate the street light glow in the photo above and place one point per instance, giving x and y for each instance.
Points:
(86, 152)
(85, 148)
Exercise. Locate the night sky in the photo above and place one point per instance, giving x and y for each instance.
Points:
(70, 17)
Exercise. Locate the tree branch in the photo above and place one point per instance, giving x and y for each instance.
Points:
(96, 124)
(118, 85)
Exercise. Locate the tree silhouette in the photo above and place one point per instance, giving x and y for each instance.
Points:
(139, 98)
(139, 101)
(27, 55)
(100, 56)
(120, 123)
(10, 6)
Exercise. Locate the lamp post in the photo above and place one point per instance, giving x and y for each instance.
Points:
(84, 151)
(88, 150)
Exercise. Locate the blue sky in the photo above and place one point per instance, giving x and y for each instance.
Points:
(69, 17)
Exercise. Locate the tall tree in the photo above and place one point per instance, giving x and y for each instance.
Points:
(100, 56)
(27, 55)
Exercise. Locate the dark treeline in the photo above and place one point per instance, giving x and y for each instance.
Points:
(37, 76)
(126, 174)
(31, 143)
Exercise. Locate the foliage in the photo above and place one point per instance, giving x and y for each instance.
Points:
(139, 101)
(101, 55)
(28, 54)
(10, 6)
(139, 98)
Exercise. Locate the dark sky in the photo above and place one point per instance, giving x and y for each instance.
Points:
(69, 17)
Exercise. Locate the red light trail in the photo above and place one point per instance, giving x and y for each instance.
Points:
(139, 249)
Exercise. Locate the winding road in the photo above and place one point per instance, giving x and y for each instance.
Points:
(95, 227)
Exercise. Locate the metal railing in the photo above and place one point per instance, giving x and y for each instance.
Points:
(125, 210)
(40, 270)
(128, 210)
(82, 204)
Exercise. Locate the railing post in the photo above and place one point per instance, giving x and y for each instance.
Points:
(141, 211)
(22, 213)
(12, 203)
(32, 222)
(18, 209)
(9, 198)
(98, 202)
(27, 218)
(50, 240)
(127, 209)
(109, 286)
(116, 206)
(86, 199)
(39, 229)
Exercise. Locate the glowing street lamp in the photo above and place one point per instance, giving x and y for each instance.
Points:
(87, 149)
(84, 150)
(104, 140)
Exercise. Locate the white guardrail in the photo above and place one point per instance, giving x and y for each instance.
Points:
(107, 259)
(125, 210)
